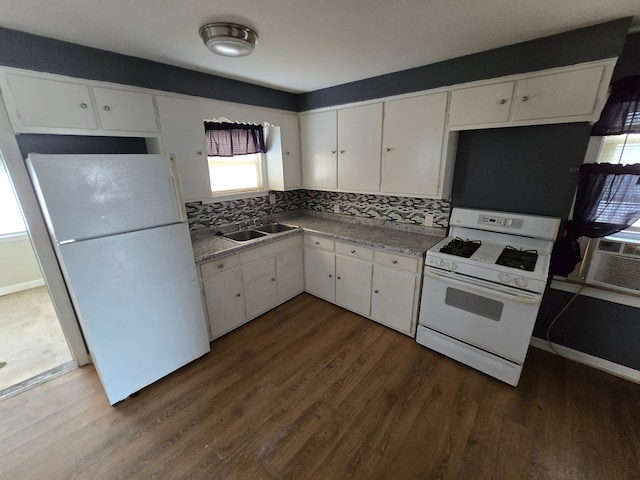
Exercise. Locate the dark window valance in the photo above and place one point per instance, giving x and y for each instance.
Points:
(607, 202)
(229, 139)
(621, 114)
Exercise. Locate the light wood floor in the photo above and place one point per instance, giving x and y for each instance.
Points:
(31, 339)
(310, 391)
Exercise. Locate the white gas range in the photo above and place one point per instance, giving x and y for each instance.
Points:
(482, 289)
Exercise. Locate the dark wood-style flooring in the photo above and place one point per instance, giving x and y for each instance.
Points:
(311, 391)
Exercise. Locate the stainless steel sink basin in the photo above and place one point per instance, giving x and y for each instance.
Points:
(244, 235)
(275, 228)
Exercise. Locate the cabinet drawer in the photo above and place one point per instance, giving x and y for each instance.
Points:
(356, 251)
(393, 260)
(318, 241)
(218, 265)
(270, 249)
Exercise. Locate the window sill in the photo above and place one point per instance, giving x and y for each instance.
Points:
(236, 196)
(572, 286)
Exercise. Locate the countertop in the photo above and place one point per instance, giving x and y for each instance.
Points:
(208, 247)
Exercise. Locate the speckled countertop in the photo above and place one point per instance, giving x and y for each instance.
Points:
(208, 247)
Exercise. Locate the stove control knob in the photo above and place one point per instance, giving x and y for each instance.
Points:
(439, 262)
(521, 282)
(504, 277)
(452, 266)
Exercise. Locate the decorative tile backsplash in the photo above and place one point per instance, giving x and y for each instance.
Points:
(406, 210)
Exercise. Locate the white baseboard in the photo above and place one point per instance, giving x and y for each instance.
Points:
(18, 287)
(595, 362)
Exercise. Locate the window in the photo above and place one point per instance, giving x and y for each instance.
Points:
(623, 150)
(10, 217)
(235, 155)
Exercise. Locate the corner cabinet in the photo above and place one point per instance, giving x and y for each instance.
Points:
(284, 171)
(51, 105)
(182, 132)
(319, 146)
(568, 94)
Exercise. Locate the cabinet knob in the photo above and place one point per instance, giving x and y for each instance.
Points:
(525, 98)
(333, 151)
(287, 153)
(238, 294)
(330, 276)
(388, 149)
(353, 251)
(273, 279)
(107, 108)
(342, 151)
(338, 277)
(376, 291)
(221, 265)
(317, 243)
(502, 101)
(84, 105)
(394, 262)
(199, 152)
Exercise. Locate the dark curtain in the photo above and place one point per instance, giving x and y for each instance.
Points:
(229, 139)
(621, 114)
(607, 201)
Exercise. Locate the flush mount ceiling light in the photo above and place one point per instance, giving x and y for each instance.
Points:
(228, 39)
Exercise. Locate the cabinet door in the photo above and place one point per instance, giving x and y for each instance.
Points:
(120, 110)
(290, 270)
(353, 284)
(412, 146)
(483, 104)
(393, 298)
(318, 135)
(292, 168)
(558, 95)
(183, 136)
(319, 273)
(225, 302)
(359, 136)
(50, 103)
(259, 284)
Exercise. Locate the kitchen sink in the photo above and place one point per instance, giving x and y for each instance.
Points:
(275, 228)
(244, 235)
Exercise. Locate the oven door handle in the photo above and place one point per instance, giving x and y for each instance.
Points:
(529, 300)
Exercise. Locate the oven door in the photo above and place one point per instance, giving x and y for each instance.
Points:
(496, 319)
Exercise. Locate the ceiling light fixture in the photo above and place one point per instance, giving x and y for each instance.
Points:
(229, 39)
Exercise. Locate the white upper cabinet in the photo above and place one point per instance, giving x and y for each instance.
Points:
(412, 148)
(569, 94)
(318, 135)
(557, 95)
(284, 170)
(487, 103)
(41, 102)
(124, 110)
(359, 136)
(47, 105)
(183, 137)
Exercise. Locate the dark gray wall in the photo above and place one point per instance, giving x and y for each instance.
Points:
(32, 52)
(629, 61)
(591, 43)
(75, 144)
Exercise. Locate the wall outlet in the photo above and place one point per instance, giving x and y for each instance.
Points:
(428, 220)
(272, 198)
(336, 208)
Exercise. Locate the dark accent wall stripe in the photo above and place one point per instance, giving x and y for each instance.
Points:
(78, 144)
(33, 52)
(586, 44)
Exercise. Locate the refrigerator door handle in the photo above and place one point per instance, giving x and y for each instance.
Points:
(176, 185)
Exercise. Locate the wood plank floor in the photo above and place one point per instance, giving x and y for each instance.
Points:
(310, 391)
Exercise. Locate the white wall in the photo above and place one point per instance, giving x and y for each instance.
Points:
(20, 269)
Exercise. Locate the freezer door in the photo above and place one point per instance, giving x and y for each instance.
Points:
(138, 300)
(88, 196)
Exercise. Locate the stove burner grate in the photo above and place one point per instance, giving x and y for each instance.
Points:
(460, 247)
(518, 258)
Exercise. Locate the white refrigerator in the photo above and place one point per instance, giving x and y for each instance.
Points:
(119, 230)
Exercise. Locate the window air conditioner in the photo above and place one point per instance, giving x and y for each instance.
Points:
(616, 264)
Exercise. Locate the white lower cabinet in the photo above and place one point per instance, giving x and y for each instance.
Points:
(319, 273)
(260, 289)
(353, 284)
(240, 287)
(223, 295)
(394, 298)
